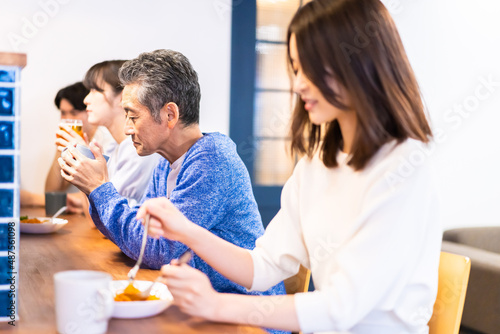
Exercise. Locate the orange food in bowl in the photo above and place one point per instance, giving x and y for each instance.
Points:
(32, 221)
(131, 293)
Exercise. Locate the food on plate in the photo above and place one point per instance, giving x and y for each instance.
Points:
(25, 219)
(131, 293)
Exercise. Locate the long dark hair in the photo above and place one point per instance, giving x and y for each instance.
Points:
(357, 41)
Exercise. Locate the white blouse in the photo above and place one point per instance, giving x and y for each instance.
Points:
(371, 238)
(105, 139)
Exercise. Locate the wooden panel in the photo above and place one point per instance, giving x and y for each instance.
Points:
(13, 59)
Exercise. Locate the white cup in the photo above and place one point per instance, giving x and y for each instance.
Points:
(84, 302)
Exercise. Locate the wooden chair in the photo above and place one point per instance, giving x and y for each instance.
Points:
(299, 282)
(452, 286)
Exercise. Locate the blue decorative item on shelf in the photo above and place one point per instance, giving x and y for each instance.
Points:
(5, 299)
(10, 70)
(7, 75)
(4, 237)
(6, 169)
(7, 135)
(5, 269)
(6, 202)
(6, 101)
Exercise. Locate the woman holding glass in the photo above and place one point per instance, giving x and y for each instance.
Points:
(353, 212)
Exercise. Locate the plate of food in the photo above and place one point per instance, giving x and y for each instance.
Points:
(41, 225)
(128, 306)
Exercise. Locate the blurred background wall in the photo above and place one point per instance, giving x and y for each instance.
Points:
(453, 46)
(63, 38)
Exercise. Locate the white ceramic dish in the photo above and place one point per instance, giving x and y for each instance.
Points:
(46, 227)
(141, 309)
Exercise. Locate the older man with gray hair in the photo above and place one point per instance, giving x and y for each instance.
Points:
(201, 174)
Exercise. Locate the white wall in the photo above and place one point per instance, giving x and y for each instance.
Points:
(452, 44)
(63, 38)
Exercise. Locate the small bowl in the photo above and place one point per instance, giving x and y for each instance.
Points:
(141, 309)
(43, 228)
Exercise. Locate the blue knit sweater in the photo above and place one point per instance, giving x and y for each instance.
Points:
(213, 190)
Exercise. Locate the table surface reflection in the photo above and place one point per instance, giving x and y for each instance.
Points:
(78, 246)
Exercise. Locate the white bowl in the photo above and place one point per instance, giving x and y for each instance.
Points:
(141, 309)
(46, 227)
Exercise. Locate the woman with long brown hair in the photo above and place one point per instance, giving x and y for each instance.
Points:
(360, 209)
(128, 172)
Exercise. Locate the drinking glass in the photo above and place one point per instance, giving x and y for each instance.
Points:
(75, 124)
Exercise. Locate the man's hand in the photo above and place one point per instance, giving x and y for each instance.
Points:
(86, 174)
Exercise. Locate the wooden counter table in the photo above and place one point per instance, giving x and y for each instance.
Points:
(78, 246)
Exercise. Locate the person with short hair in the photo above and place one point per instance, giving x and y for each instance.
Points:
(128, 172)
(353, 212)
(200, 173)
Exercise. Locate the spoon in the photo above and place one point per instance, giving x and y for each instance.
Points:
(61, 210)
(184, 258)
(131, 274)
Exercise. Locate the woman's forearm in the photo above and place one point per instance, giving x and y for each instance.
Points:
(29, 199)
(277, 312)
(232, 261)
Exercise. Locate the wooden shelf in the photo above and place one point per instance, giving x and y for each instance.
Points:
(13, 59)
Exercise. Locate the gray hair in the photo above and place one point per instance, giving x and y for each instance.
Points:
(164, 76)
